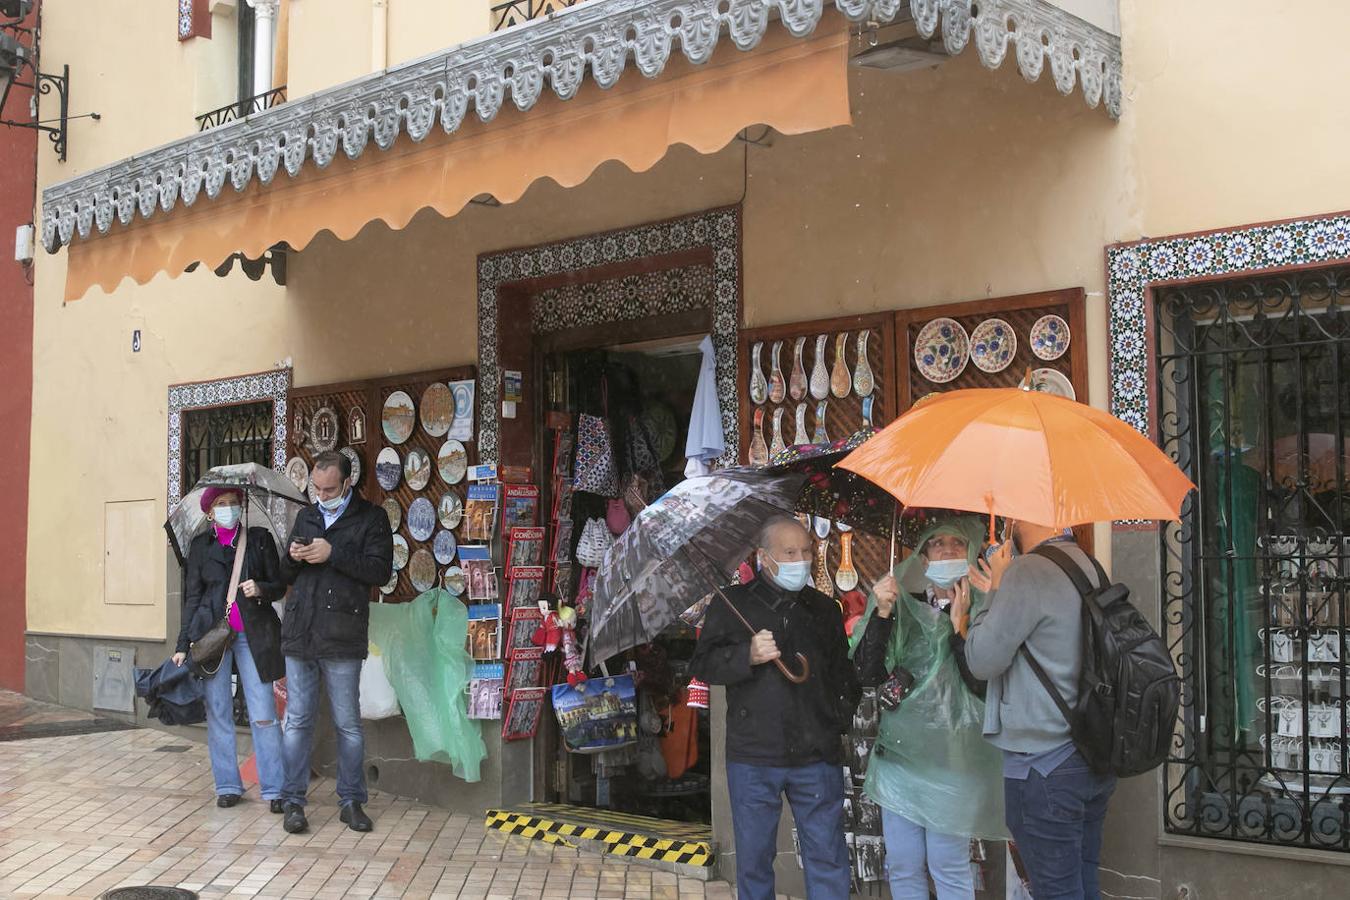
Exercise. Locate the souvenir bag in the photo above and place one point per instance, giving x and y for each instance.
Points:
(595, 471)
(616, 516)
(635, 494)
(595, 542)
(597, 715)
(208, 650)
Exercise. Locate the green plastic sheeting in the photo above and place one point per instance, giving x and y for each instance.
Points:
(422, 643)
(936, 769)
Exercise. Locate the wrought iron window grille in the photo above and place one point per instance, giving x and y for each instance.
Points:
(1253, 381)
(225, 435)
(242, 109)
(514, 12)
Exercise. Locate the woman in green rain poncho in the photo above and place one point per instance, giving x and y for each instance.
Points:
(938, 782)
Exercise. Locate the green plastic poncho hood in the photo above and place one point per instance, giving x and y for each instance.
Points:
(935, 768)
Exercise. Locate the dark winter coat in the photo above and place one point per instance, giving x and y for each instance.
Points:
(208, 578)
(770, 720)
(328, 610)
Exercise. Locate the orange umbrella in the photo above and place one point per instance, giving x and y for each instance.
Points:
(1022, 454)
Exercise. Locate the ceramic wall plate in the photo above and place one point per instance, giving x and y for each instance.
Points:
(993, 344)
(453, 580)
(445, 547)
(297, 470)
(388, 468)
(422, 570)
(942, 350)
(394, 512)
(1050, 381)
(421, 519)
(400, 552)
(438, 409)
(398, 418)
(1050, 338)
(417, 468)
(453, 462)
(390, 586)
(450, 510)
(356, 463)
(323, 429)
(356, 425)
(312, 494)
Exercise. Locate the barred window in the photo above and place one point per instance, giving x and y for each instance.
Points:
(224, 435)
(1253, 380)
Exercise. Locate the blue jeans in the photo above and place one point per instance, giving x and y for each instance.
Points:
(342, 678)
(914, 852)
(262, 714)
(816, 794)
(1056, 821)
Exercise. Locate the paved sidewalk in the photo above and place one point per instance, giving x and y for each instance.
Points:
(83, 813)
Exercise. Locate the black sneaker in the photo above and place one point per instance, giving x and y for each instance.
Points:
(355, 818)
(225, 801)
(278, 806)
(295, 821)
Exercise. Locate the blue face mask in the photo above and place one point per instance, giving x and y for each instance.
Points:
(791, 576)
(946, 572)
(335, 503)
(226, 516)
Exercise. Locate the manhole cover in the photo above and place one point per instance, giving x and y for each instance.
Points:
(149, 892)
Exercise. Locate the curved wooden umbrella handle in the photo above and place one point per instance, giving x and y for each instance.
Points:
(787, 673)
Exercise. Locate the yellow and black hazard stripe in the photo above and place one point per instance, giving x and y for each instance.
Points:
(528, 823)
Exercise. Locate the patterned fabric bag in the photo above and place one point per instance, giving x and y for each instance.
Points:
(595, 470)
(594, 543)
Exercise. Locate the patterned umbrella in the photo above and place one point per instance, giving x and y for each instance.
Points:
(837, 494)
(269, 499)
(690, 540)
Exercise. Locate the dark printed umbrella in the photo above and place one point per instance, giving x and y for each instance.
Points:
(270, 499)
(691, 540)
(837, 494)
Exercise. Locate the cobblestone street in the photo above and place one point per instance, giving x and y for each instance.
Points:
(83, 813)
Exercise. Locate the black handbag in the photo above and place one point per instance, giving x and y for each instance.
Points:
(206, 653)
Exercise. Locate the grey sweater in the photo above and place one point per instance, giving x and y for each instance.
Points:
(1036, 604)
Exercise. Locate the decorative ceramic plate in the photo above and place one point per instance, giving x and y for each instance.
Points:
(297, 470)
(421, 519)
(453, 462)
(323, 429)
(942, 350)
(390, 586)
(444, 547)
(388, 468)
(1050, 337)
(454, 580)
(398, 417)
(422, 570)
(992, 345)
(662, 429)
(356, 463)
(417, 468)
(312, 494)
(1050, 381)
(438, 409)
(400, 552)
(394, 512)
(450, 510)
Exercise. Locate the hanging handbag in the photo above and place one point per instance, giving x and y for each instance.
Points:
(595, 471)
(207, 651)
(616, 516)
(594, 543)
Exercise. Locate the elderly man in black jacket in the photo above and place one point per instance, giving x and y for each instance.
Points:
(340, 550)
(783, 738)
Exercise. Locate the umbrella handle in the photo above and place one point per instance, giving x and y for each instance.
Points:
(782, 666)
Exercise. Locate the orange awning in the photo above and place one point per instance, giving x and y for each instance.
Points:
(793, 85)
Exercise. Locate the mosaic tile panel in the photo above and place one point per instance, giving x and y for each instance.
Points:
(620, 299)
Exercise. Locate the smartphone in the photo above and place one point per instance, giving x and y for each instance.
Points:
(302, 541)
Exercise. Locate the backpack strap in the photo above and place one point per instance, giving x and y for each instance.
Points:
(1070, 568)
(1045, 681)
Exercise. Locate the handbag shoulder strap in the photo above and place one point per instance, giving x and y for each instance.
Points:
(239, 552)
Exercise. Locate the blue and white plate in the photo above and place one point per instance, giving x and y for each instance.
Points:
(942, 350)
(1050, 338)
(993, 344)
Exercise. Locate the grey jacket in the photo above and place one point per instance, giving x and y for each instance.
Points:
(1036, 604)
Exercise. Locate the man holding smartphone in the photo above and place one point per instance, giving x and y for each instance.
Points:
(340, 550)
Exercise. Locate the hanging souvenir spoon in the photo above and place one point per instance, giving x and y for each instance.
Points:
(863, 382)
(799, 435)
(797, 384)
(776, 445)
(840, 381)
(820, 572)
(820, 437)
(867, 411)
(759, 388)
(846, 576)
(821, 526)
(777, 388)
(820, 375)
(759, 451)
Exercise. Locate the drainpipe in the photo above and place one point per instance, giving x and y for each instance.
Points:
(264, 35)
(379, 34)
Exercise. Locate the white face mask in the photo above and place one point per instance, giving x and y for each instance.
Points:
(791, 576)
(946, 572)
(225, 516)
(334, 504)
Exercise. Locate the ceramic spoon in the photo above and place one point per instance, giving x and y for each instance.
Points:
(759, 451)
(776, 445)
(820, 437)
(820, 572)
(840, 382)
(777, 387)
(863, 382)
(797, 384)
(867, 411)
(846, 576)
(821, 526)
(799, 435)
(759, 388)
(820, 374)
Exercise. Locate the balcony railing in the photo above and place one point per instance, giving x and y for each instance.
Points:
(242, 109)
(514, 12)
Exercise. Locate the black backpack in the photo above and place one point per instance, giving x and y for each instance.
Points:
(1128, 690)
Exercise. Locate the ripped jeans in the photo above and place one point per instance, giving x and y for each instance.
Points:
(262, 714)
